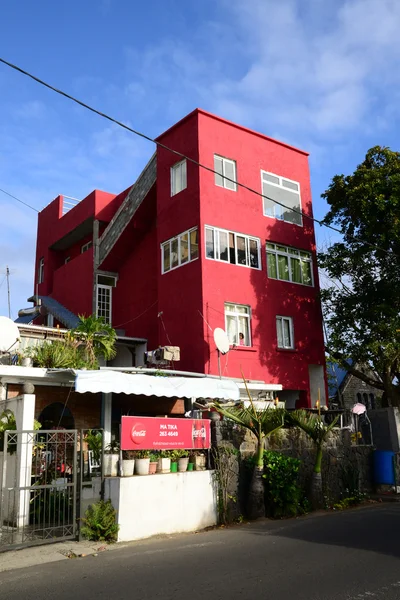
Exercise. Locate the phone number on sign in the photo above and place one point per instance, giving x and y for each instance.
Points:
(169, 434)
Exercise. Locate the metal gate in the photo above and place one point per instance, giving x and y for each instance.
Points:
(38, 487)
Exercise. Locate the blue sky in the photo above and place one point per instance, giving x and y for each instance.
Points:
(320, 74)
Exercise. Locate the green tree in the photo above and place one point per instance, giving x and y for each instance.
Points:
(262, 424)
(95, 338)
(318, 432)
(362, 303)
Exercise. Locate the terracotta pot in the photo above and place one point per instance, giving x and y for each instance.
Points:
(153, 468)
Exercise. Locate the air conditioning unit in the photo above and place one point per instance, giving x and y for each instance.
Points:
(163, 355)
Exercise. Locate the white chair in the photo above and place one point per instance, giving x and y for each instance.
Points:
(94, 465)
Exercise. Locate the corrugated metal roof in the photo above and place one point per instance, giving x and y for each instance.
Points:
(62, 314)
(26, 320)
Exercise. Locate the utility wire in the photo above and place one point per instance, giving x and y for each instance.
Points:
(18, 200)
(180, 154)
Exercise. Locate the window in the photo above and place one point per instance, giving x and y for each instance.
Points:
(41, 271)
(180, 250)
(225, 167)
(103, 304)
(178, 177)
(86, 247)
(67, 260)
(235, 248)
(285, 191)
(289, 264)
(284, 332)
(237, 324)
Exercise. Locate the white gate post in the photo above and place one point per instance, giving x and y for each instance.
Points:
(24, 416)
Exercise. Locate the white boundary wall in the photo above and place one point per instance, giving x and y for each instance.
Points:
(163, 504)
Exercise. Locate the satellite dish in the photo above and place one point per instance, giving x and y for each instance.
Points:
(221, 340)
(9, 335)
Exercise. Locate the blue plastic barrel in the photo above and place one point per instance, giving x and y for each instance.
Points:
(384, 467)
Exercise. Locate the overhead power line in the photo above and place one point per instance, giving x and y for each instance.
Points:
(177, 153)
(18, 200)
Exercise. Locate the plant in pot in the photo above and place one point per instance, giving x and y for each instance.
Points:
(198, 459)
(128, 463)
(94, 442)
(164, 461)
(111, 459)
(175, 455)
(183, 461)
(142, 462)
(153, 463)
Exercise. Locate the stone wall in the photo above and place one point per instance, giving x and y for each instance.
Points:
(343, 464)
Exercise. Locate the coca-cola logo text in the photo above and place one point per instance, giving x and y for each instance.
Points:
(138, 433)
(199, 433)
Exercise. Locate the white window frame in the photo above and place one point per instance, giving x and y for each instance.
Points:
(224, 180)
(109, 289)
(248, 238)
(279, 322)
(86, 247)
(290, 252)
(179, 169)
(66, 261)
(281, 186)
(236, 314)
(41, 270)
(169, 243)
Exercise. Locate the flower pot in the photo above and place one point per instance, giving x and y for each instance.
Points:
(128, 467)
(111, 465)
(183, 464)
(200, 463)
(142, 466)
(190, 466)
(164, 465)
(153, 468)
(174, 467)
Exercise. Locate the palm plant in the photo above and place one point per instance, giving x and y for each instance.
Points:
(261, 423)
(318, 431)
(96, 338)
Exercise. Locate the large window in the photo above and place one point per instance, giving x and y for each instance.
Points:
(285, 191)
(237, 324)
(231, 247)
(178, 177)
(41, 271)
(289, 264)
(180, 250)
(225, 167)
(284, 332)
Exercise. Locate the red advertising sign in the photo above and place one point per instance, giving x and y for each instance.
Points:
(152, 433)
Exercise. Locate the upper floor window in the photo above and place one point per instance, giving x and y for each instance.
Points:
(225, 167)
(231, 247)
(180, 250)
(285, 191)
(86, 247)
(105, 284)
(237, 324)
(178, 177)
(289, 264)
(67, 260)
(41, 271)
(284, 332)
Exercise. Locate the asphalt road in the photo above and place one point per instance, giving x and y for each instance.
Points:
(352, 555)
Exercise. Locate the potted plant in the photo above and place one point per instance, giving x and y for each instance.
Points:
(142, 462)
(164, 462)
(111, 459)
(153, 463)
(128, 463)
(94, 442)
(174, 454)
(183, 461)
(198, 459)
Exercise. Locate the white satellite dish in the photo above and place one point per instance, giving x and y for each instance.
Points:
(221, 340)
(9, 335)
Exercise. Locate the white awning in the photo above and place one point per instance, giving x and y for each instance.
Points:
(152, 385)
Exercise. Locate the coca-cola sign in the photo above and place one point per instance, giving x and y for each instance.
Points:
(153, 433)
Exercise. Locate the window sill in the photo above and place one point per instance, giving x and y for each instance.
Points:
(244, 348)
(286, 350)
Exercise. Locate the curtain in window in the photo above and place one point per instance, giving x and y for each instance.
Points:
(271, 265)
(231, 329)
(223, 245)
(295, 268)
(287, 341)
(166, 257)
(306, 272)
(253, 246)
(244, 328)
(184, 248)
(279, 332)
(210, 253)
(232, 254)
(241, 250)
(194, 244)
(174, 253)
(283, 267)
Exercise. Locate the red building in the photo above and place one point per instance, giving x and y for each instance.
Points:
(186, 250)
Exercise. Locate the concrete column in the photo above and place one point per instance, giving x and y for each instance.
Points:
(106, 417)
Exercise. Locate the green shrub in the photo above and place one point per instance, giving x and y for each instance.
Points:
(282, 494)
(99, 523)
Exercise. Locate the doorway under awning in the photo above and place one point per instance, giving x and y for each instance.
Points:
(152, 385)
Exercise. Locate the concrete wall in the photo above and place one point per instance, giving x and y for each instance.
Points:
(162, 504)
(386, 428)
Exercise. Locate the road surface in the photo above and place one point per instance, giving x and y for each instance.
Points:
(353, 555)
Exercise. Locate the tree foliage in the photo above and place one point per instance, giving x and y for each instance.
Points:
(362, 304)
